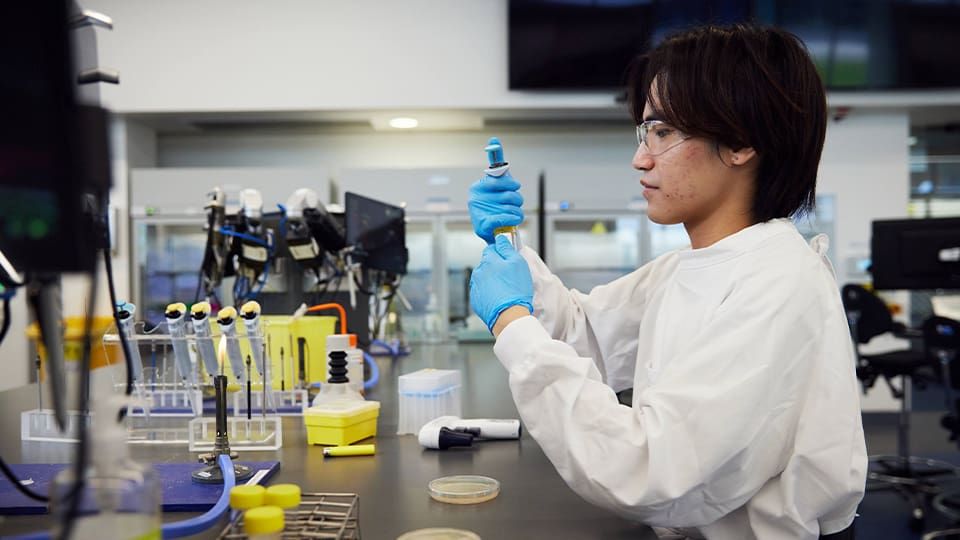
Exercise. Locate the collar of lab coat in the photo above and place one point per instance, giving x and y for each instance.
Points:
(736, 244)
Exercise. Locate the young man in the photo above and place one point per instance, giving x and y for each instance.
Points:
(745, 421)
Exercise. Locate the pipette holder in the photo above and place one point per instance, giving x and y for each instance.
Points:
(287, 403)
(39, 425)
(256, 433)
(169, 399)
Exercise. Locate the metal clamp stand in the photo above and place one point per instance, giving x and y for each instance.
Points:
(211, 474)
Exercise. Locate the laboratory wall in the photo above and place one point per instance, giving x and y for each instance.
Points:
(228, 55)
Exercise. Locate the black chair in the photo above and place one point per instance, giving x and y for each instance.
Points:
(911, 476)
(942, 340)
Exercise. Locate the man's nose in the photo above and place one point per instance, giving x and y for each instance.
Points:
(642, 160)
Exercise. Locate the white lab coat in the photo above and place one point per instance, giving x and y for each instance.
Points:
(746, 415)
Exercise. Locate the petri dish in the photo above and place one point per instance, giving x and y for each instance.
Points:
(439, 534)
(464, 489)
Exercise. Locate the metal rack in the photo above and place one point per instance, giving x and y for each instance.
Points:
(320, 515)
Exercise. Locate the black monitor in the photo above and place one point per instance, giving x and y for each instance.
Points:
(916, 254)
(567, 45)
(377, 232)
(44, 145)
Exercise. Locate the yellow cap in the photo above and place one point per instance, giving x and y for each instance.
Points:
(244, 497)
(263, 520)
(283, 495)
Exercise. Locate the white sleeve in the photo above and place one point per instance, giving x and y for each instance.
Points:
(602, 325)
(700, 442)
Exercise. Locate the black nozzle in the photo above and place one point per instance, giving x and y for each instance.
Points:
(450, 437)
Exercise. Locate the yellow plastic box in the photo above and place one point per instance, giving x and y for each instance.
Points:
(340, 423)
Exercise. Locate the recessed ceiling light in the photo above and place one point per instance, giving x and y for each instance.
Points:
(403, 122)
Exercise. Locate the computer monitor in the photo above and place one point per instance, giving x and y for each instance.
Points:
(916, 254)
(377, 232)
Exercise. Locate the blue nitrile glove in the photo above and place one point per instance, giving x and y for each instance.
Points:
(495, 202)
(501, 280)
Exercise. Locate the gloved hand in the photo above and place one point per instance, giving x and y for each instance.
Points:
(495, 202)
(501, 280)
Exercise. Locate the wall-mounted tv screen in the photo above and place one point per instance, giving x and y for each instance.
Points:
(856, 44)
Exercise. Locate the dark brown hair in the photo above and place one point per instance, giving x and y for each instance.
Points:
(743, 85)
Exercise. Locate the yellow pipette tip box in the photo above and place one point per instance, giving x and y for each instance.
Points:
(339, 423)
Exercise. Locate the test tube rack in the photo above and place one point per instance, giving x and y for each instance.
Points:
(320, 515)
(39, 425)
(254, 434)
(287, 402)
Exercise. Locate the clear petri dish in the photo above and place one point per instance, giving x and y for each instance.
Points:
(439, 534)
(464, 489)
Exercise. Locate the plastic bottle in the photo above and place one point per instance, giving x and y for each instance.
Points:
(355, 365)
(337, 387)
(120, 499)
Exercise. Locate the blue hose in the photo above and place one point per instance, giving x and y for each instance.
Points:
(374, 372)
(394, 351)
(187, 527)
(192, 526)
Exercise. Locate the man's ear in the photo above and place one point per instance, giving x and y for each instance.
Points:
(740, 157)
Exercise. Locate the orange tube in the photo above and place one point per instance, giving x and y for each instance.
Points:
(332, 305)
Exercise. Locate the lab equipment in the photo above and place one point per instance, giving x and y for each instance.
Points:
(211, 474)
(310, 230)
(320, 515)
(337, 387)
(250, 313)
(176, 326)
(125, 313)
(215, 252)
(377, 233)
(253, 253)
(282, 495)
(353, 450)
(464, 489)
(247, 496)
(501, 280)
(916, 254)
(498, 167)
(226, 319)
(439, 533)
(446, 431)
(200, 317)
(120, 498)
(263, 523)
(427, 394)
(342, 422)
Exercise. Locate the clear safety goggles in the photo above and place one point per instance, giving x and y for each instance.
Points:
(658, 136)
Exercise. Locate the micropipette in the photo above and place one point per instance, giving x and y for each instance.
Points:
(200, 317)
(227, 319)
(498, 167)
(176, 325)
(125, 313)
(250, 313)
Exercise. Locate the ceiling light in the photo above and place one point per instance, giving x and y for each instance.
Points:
(403, 122)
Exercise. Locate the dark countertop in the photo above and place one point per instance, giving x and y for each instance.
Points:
(534, 502)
